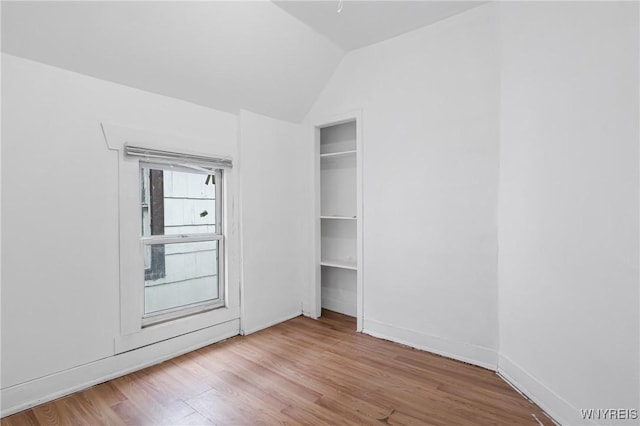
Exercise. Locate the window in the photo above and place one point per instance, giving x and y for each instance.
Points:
(182, 239)
(177, 278)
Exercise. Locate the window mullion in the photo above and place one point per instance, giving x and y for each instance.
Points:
(169, 239)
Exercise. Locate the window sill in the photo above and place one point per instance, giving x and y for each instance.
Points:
(167, 330)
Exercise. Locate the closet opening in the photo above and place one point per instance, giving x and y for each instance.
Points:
(339, 235)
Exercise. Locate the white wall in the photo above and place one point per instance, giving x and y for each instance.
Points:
(60, 304)
(429, 100)
(569, 204)
(562, 99)
(545, 96)
(276, 235)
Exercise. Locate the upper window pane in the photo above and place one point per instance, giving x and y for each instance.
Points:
(177, 202)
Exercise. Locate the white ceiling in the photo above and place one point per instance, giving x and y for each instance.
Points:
(224, 55)
(361, 23)
(228, 55)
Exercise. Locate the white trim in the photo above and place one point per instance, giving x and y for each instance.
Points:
(171, 157)
(558, 409)
(131, 333)
(116, 136)
(29, 394)
(315, 302)
(339, 217)
(359, 222)
(461, 351)
(177, 327)
(174, 167)
(181, 311)
(333, 263)
(271, 323)
(172, 239)
(338, 154)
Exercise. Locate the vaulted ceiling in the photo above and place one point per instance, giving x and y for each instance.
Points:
(269, 58)
(360, 23)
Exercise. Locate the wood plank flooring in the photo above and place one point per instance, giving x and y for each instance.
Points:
(298, 372)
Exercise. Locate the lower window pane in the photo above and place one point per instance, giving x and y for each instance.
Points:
(180, 274)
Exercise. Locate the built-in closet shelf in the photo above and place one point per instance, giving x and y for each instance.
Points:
(340, 264)
(339, 217)
(339, 231)
(338, 154)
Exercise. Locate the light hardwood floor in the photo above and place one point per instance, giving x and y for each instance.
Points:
(298, 372)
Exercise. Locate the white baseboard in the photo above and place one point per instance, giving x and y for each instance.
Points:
(472, 354)
(26, 395)
(270, 324)
(560, 411)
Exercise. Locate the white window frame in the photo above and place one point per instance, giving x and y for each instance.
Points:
(216, 323)
(198, 307)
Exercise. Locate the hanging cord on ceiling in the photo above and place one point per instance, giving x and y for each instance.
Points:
(340, 5)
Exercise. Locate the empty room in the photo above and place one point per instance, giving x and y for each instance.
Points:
(320, 213)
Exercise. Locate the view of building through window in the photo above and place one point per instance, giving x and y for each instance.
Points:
(179, 219)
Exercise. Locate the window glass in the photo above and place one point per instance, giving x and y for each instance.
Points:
(182, 241)
(190, 276)
(176, 202)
